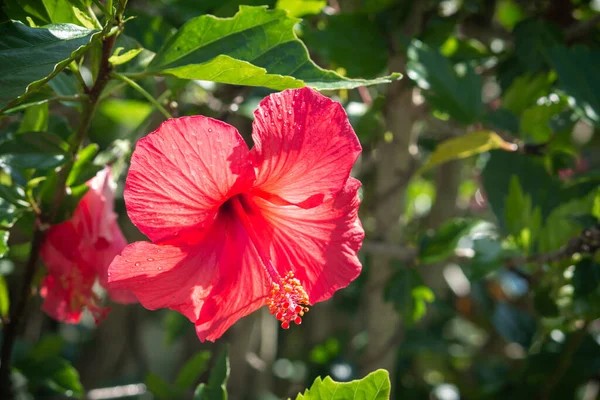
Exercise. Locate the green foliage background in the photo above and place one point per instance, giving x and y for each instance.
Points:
(481, 190)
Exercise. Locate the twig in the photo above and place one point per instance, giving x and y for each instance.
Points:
(143, 92)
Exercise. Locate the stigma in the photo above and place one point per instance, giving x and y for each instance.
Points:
(288, 300)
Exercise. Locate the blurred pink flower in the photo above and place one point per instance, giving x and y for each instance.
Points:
(79, 250)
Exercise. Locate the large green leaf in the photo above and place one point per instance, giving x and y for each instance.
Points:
(455, 90)
(577, 75)
(29, 57)
(440, 244)
(191, 371)
(256, 47)
(375, 386)
(44, 12)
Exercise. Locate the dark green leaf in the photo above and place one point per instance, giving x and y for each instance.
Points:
(29, 57)
(216, 389)
(577, 75)
(159, 388)
(375, 386)
(191, 371)
(455, 90)
(37, 150)
(44, 12)
(256, 47)
(407, 291)
(586, 278)
(441, 243)
(533, 39)
(175, 325)
(544, 302)
(350, 41)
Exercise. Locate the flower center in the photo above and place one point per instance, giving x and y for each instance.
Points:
(287, 299)
(79, 295)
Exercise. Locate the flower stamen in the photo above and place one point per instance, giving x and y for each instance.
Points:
(288, 301)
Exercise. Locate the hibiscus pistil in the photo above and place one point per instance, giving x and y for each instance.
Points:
(287, 299)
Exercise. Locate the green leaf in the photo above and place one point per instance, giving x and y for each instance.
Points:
(30, 57)
(3, 242)
(523, 220)
(375, 386)
(466, 146)
(535, 121)
(192, 370)
(299, 8)
(118, 59)
(35, 119)
(407, 291)
(216, 389)
(44, 12)
(9, 213)
(578, 77)
(83, 168)
(440, 244)
(455, 90)
(256, 47)
(55, 374)
(350, 41)
(525, 90)
(4, 298)
(586, 278)
(39, 150)
(159, 388)
(533, 39)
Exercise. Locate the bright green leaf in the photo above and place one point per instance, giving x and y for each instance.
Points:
(299, 8)
(465, 146)
(256, 47)
(455, 90)
(38, 150)
(83, 168)
(577, 75)
(118, 59)
(35, 119)
(216, 388)
(45, 12)
(523, 219)
(375, 386)
(29, 57)
(4, 298)
(192, 370)
(407, 291)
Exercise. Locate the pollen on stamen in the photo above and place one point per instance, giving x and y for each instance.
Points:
(288, 301)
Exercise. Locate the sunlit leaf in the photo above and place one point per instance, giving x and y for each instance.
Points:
(256, 47)
(375, 386)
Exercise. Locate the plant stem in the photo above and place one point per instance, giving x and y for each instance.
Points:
(143, 92)
(47, 218)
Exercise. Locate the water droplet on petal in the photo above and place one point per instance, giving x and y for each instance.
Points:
(210, 129)
(137, 264)
(159, 268)
(150, 259)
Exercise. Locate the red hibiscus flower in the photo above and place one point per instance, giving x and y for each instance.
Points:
(78, 251)
(235, 229)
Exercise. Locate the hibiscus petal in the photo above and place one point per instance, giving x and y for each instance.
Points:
(304, 147)
(181, 173)
(319, 245)
(213, 283)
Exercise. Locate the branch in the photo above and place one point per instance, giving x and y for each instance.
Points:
(45, 220)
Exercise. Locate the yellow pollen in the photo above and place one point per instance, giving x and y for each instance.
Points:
(290, 304)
